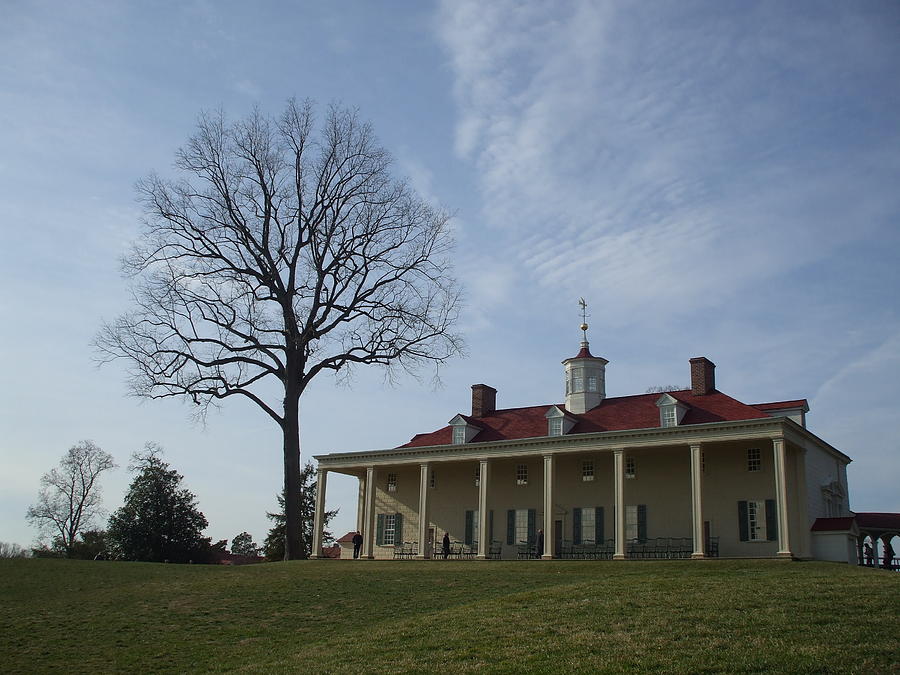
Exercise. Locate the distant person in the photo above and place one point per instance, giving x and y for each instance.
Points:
(869, 554)
(539, 549)
(445, 545)
(357, 544)
(888, 556)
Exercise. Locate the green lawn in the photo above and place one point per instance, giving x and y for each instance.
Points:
(318, 616)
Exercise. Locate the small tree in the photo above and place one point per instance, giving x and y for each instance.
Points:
(69, 499)
(274, 544)
(243, 544)
(90, 545)
(160, 520)
(283, 252)
(9, 550)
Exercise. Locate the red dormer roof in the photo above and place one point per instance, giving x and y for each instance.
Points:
(613, 414)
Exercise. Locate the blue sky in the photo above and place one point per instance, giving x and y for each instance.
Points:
(716, 179)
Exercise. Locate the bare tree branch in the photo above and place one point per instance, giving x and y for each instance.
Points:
(282, 251)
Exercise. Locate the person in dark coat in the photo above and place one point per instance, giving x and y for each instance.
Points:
(539, 549)
(445, 544)
(357, 544)
(888, 558)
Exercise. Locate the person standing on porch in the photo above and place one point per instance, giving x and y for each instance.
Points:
(357, 544)
(539, 549)
(445, 544)
(888, 556)
(869, 555)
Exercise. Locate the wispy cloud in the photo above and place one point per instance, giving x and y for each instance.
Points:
(622, 149)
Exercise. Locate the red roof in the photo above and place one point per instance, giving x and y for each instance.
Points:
(832, 524)
(879, 521)
(782, 405)
(613, 414)
(346, 539)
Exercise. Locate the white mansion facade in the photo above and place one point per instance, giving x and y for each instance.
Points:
(692, 473)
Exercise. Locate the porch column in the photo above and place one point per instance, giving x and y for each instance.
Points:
(547, 553)
(619, 511)
(781, 500)
(318, 524)
(697, 502)
(483, 542)
(361, 504)
(423, 512)
(368, 529)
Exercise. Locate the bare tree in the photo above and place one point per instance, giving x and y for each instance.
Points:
(10, 550)
(663, 388)
(282, 253)
(69, 498)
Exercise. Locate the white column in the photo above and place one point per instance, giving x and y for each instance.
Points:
(697, 502)
(423, 512)
(483, 541)
(619, 489)
(781, 501)
(318, 524)
(547, 553)
(368, 530)
(361, 505)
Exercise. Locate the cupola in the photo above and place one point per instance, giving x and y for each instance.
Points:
(585, 375)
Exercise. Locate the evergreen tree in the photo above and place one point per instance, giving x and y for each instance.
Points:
(160, 520)
(273, 546)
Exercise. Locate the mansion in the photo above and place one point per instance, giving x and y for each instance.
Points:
(692, 473)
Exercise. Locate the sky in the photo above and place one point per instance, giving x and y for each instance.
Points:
(716, 179)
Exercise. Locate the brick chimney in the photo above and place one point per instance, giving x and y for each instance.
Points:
(703, 376)
(484, 400)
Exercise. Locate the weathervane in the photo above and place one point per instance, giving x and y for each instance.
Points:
(584, 315)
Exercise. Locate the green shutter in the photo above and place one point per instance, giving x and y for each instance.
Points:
(490, 526)
(379, 536)
(576, 526)
(511, 527)
(642, 522)
(771, 521)
(398, 528)
(532, 517)
(469, 527)
(743, 521)
(598, 525)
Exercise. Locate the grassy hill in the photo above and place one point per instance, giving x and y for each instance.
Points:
(318, 616)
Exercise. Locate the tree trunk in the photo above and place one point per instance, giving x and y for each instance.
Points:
(293, 537)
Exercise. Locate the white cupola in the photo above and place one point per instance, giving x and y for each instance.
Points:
(585, 375)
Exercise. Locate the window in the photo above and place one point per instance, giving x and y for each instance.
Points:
(477, 475)
(588, 526)
(522, 525)
(669, 417)
(629, 467)
(756, 521)
(392, 482)
(577, 381)
(592, 383)
(631, 522)
(754, 459)
(521, 474)
(474, 534)
(556, 426)
(389, 522)
(459, 434)
(587, 470)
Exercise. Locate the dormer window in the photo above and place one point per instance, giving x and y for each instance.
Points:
(671, 410)
(559, 422)
(463, 430)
